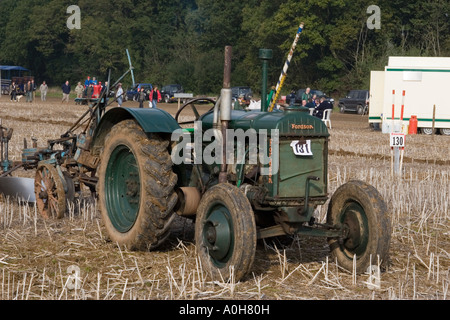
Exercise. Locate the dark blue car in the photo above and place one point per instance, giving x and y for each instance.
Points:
(132, 93)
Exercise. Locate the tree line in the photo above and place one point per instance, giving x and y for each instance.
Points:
(183, 41)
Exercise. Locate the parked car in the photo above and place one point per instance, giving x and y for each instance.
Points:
(355, 101)
(133, 92)
(246, 92)
(319, 94)
(167, 92)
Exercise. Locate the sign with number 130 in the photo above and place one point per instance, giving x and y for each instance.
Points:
(397, 140)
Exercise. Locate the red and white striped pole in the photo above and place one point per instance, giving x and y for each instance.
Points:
(401, 121)
(393, 106)
(403, 105)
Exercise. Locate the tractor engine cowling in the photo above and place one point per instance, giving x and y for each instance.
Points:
(297, 166)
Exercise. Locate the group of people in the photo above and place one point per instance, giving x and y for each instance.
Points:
(311, 101)
(153, 97)
(28, 90)
(92, 89)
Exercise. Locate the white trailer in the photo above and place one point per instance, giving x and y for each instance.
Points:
(425, 82)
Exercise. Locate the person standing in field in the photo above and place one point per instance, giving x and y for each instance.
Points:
(89, 92)
(154, 97)
(66, 91)
(13, 91)
(141, 97)
(119, 95)
(44, 89)
(270, 95)
(28, 91)
(307, 94)
(33, 90)
(103, 93)
(79, 90)
(290, 99)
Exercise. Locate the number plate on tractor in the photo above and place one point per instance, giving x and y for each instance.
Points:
(302, 149)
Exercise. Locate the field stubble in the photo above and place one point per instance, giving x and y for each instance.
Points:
(71, 258)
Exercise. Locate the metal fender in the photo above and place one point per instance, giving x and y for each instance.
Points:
(150, 119)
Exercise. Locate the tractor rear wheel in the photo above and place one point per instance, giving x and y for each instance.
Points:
(360, 211)
(136, 187)
(225, 232)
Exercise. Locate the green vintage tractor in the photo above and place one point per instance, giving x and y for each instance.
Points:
(141, 187)
(241, 175)
(140, 190)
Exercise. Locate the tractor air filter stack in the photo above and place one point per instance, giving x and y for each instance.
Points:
(265, 55)
(225, 93)
(225, 111)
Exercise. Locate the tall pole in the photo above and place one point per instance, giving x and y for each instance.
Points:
(265, 55)
(403, 107)
(131, 68)
(284, 71)
(401, 121)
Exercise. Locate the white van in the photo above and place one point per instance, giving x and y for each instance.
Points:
(426, 85)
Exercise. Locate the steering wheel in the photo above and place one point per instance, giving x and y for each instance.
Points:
(194, 109)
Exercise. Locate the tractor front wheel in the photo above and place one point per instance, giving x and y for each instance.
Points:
(225, 232)
(359, 210)
(136, 187)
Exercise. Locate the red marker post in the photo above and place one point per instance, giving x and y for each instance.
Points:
(401, 121)
(403, 106)
(393, 107)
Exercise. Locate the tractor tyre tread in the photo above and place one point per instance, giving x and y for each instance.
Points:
(379, 223)
(157, 198)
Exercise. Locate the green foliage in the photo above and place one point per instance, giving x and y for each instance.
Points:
(182, 41)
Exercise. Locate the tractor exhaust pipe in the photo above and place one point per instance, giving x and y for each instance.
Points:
(225, 111)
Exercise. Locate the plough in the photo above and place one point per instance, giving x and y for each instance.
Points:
(61, 167)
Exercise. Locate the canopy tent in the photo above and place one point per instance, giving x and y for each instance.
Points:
(11, 68)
